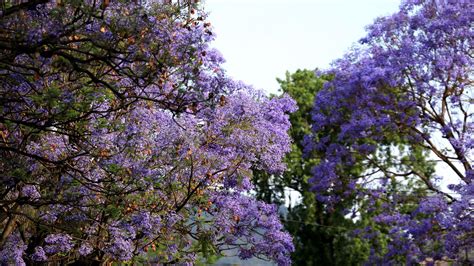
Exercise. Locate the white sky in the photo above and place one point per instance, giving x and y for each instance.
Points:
(261, 39)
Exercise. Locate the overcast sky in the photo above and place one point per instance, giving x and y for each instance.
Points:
(261, 39)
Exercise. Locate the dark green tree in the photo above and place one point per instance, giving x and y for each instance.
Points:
(321, 236)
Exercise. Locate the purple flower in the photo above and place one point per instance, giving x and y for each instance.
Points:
(31, 192)
(13, 250)
(39, 254)
(58, 243)
(85, 249)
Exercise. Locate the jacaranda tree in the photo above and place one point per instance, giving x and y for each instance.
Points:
(122, 139)
(409, 82)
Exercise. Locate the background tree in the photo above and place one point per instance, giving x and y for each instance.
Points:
(411, 77)
(123, 140)
(322, 236)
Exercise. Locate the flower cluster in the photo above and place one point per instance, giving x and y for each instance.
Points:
(239, 217)
(57, 243)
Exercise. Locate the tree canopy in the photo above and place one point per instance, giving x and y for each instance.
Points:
(409, 81)
(122, 138)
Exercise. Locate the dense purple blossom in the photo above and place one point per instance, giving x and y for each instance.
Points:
(13, 250)
(120, 245)
(39, 254)
(57, 243)
(125, 132)
(410, 83)
(85, 249)
(30, 192)
(239, 216)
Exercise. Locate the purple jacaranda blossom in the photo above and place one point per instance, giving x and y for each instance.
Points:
(124, 127)
(405, 91)
(39, 255)
(13, 251)
(56, 243)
